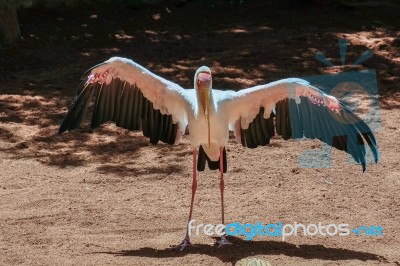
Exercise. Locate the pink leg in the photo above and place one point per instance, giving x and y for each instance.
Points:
(194, 183)
(221, 182)
(223, 240)
(186, 241)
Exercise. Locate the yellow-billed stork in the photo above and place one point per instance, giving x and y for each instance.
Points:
(136, 99)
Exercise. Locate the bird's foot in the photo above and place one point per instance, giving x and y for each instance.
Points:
(184, 244)
(223, 242)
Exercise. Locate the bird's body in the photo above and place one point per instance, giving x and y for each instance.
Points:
(219, 131)
(136, 99)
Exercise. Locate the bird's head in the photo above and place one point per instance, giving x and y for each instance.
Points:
(203, 79)
(202, 85)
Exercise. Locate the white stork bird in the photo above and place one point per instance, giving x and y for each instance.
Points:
(135, 98)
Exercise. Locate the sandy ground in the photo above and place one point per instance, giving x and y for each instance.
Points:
(109, 197)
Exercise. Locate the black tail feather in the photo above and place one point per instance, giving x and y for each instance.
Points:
(203, 158)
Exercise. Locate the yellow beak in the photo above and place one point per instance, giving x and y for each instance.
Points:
(204, 95)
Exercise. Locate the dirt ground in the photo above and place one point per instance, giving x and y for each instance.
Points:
(109, 197)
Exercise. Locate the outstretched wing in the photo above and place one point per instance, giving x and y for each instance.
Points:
(132, 97)
(300, 110)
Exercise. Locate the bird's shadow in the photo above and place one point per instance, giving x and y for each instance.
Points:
(242, 249)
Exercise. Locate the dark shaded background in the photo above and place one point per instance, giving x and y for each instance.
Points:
(245, 44)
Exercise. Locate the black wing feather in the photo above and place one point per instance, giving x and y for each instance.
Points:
(77, 110)
(123, 104)
(342, 130)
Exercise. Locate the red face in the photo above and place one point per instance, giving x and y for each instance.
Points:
(203, 80)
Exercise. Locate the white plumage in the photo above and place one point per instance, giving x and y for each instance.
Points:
(135, 98)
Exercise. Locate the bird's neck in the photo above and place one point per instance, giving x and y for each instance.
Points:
(210, 101)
